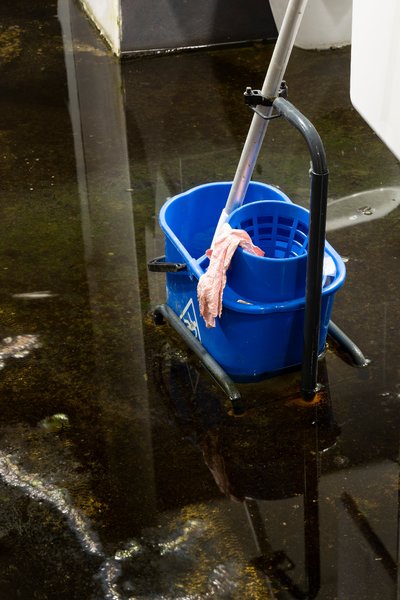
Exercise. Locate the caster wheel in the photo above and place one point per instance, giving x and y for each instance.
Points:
(158, 318)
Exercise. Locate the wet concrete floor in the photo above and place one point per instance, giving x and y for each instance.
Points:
(122, 473)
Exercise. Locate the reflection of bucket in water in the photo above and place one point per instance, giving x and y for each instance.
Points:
(280, 229)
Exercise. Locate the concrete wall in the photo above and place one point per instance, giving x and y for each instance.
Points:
(142, 26)
(106, 14)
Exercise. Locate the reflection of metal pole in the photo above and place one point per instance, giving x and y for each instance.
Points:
(374, 542)
(98, 123)
(262, 544)
(272, 562)
(311, 519)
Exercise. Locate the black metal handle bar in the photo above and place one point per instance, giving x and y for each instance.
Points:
(316, 242)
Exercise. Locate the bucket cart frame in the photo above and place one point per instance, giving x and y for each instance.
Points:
(315, 259)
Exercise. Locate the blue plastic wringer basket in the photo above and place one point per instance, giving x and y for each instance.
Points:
(260, 332)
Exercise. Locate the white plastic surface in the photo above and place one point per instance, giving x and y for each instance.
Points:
(375, 67)
(326, 23)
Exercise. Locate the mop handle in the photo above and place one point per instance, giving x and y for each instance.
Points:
(258, 127)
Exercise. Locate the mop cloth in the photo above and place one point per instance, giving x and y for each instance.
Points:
(212, 283)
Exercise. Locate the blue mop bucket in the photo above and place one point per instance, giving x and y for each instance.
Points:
(260, 332)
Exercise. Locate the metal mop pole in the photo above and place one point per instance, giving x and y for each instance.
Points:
(270, 89)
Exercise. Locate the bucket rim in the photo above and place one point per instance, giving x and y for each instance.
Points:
(193, 263)
(261, 184)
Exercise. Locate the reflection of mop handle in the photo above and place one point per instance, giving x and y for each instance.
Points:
(270, 89)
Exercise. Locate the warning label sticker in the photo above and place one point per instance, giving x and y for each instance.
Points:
(188, 316)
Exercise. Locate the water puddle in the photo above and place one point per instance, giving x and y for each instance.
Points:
(123, 473)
